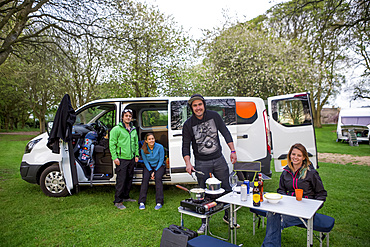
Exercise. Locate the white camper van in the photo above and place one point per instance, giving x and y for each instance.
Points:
(356, 120)
(246, 118)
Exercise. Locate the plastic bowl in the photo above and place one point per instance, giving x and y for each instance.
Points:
(273, 197)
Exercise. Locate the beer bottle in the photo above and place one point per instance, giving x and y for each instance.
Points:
(260, 186)
(256, 195)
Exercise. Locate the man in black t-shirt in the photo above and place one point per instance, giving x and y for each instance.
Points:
(201, 131)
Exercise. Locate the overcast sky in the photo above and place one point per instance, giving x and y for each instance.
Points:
(195, 15)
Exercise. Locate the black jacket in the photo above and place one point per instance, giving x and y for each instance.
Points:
(64, 119)
(312, 185)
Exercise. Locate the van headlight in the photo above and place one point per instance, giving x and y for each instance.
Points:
(30, 145)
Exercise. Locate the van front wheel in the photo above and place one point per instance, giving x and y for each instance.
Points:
(52, 182)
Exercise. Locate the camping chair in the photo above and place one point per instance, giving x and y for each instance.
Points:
(260, 216)
(323, 224)
(241, 169)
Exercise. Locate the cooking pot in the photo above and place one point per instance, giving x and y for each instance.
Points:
(213, 183)
(214, 194)
(196, 194)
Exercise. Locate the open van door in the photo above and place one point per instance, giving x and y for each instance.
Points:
(66, 166)
(291, 122)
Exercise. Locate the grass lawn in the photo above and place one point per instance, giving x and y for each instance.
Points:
(29, 218)
(326, 143)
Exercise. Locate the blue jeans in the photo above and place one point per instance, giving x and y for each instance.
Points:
(275, 224)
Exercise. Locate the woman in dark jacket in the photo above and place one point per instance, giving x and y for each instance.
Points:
(298, 174)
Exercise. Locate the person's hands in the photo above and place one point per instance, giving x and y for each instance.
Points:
(152, 176)
(189, 168)
(116, 161)
(233, 158)
(136, 159)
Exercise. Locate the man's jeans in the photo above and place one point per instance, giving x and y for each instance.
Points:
(220, 170)
(275, 224)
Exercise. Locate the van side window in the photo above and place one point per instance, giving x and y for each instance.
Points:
(180, 111)
(151, 118)
(291, 112)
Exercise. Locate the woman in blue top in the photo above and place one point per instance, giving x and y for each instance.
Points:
(153, 157)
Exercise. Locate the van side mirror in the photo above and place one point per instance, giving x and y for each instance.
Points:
(49, 126)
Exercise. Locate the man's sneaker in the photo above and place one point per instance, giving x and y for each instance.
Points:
(158, 206)
(226, 220)
(120, 205)
(142, 206)
(129, 200)
(202, 228)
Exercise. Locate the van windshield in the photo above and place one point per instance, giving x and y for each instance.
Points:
(95, 112)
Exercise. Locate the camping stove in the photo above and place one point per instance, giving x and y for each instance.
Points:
(207, 206)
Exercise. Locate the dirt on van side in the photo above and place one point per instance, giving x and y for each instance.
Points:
(344, 159)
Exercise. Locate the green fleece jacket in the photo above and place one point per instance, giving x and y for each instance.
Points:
(122, 143)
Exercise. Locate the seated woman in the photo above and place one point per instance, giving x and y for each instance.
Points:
(153, 157)
(298, 174)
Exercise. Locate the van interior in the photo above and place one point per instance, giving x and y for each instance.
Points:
(97, 161)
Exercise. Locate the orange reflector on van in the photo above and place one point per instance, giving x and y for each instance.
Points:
(245, 109)
(284, 162)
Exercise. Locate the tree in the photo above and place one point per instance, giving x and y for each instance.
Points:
(315, 25)
(24, 22)
(152, 55)
(14, 109)
(245, 61)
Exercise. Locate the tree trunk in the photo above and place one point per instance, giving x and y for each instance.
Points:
(42, 124)
(317, 119)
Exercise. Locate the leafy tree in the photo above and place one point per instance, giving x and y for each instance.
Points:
(315, 25)
(24, 22)
(14, 109)
(152, 55)
(246, 61)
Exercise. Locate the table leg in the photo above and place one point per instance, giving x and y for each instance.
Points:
(182, 221)
(310, 232)
(207, 222)
(231, 224)
(234, 223)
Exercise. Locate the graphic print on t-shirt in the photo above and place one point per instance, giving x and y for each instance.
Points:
(206, 137)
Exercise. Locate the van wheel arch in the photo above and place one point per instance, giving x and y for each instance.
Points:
(52, 182)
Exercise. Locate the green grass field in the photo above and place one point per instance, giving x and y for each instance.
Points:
(29, 218)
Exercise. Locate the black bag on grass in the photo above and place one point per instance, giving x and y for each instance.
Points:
(176, 236)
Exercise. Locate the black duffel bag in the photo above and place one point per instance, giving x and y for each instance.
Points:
(176, 236)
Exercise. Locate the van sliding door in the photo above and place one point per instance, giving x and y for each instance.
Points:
(291, 122)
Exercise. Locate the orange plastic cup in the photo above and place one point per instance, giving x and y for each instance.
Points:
(298, 194)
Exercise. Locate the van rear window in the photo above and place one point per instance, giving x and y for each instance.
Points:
(180, 111)
(292, 112)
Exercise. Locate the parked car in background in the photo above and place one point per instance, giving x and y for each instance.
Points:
(246, 118)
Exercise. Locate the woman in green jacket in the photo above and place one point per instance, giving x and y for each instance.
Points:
(124, 148)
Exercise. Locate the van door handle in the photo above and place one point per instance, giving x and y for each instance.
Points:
(243, 136)
(177, 135)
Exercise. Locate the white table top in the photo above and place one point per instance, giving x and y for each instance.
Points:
(288, 205)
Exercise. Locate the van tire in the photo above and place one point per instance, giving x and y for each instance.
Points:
(52, 182)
